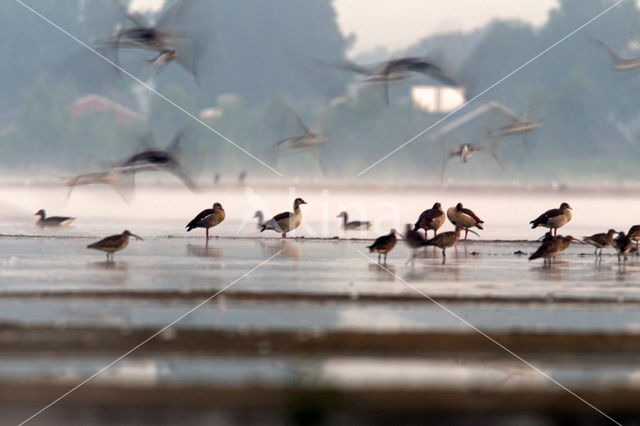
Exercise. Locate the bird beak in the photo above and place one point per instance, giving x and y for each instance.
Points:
(137, 237)
(304, 202)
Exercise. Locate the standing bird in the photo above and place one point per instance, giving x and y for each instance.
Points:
(113, 243)
(634, 234)
(550, 248)
(600, 241)
(554, 218)
(464, 218)
(52, 221)
(432, 218)
(287, 221)
(445, 240)
(623, 245)
(414, 240)
(207, 219)
(354, 224)
(260, 216)
(383, 245)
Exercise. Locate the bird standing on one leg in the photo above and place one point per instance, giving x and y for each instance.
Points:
(207, 219)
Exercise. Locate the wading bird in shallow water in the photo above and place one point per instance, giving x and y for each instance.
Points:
(398, 69)
(383, 245)
(634, 234)
(287, 221)
(430, 219)
(621, 64)
(113, 243)
(623, 245)
(260, 216)
(354, 224)
(445, 240)
(206, 219)
(52, 221)
(600, 241)
(414, 240)
(464, 218)
(550, 248)
(554, 218)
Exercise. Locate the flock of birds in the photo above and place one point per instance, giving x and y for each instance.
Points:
(462, 218)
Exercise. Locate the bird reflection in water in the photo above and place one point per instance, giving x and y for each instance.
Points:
(204, 251)
(383, 272)
(285, 248)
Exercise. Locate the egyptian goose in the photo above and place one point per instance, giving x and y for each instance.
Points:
(52, 221)
(550, 248)
(600, 241)
(207, 219)
(464, 218)
(287, 221)
(554, 218)
(383, 245)
(432, 218)
(113, 243)
(623, 245)
(260, 216)
(354, 224)
(445, 240)
(634, 234)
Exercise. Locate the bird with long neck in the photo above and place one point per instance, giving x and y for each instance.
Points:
(464, 218)
(354, 224)
(286, 221)
(206, 219)
(445, 240)
(52, 221)
(600, 241)
(113, 243)
(554, 218)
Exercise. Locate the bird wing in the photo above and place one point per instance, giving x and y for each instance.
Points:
(112, 241)
(544, 217)
(472, 214)
(196, 220)
(282, 216)
(610, 51)
(506, 111)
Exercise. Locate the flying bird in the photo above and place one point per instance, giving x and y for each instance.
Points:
(620, 63)
(518, 125)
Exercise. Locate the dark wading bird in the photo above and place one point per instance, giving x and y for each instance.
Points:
(154, 159)
(354, 224)
(260, 216)
(634, 234)
(445, 240)
(52, 221)
(464, 218)
(518, 125)
(620, 63)
(206, 219)
(623, 245)
(396, 70)
(287, 221)
(383, 245)
(550, 248)
(600, 241)
(414, 240)
(430, 219)
(554, 218)
(162, 37)
(306, 141)
(113, 243)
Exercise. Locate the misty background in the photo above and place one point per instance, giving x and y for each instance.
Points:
(260, 55)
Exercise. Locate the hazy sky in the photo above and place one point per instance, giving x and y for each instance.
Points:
(398, 23)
